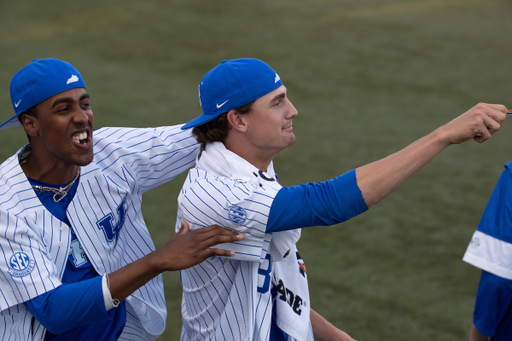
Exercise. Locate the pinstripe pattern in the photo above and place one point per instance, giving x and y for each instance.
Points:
(221, 300)
(127, 162)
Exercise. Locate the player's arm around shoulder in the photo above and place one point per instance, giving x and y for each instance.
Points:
(155, 155)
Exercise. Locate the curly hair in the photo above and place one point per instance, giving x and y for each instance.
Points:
(218, 128)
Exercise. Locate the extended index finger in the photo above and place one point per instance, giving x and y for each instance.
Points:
(218, 233)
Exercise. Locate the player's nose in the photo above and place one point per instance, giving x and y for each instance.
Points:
(292, 112)
(80, 116)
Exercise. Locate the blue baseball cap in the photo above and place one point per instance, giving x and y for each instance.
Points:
(232, 84)
(39, 80)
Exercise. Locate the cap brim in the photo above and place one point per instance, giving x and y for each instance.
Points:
(199, 120)
(11, 123)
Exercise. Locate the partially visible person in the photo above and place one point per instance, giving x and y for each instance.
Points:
(262, 292)
(78, 261)
(490, 249)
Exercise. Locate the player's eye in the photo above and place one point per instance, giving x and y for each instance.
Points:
(63, 110)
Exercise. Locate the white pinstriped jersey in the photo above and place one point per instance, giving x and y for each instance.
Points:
(105, 214)
(229, 298)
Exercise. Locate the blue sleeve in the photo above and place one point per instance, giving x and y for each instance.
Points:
(493, 301)
(316, 204)
(497, 218)
(70, 305)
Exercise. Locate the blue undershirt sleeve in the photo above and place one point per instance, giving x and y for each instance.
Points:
(316, 204)
(70, 305)
(493, 300)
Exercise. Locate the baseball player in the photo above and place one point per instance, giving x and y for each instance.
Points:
(262, 292)
(77, 259)
(490, 250)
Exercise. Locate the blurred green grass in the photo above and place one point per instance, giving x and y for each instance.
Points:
(367, 77)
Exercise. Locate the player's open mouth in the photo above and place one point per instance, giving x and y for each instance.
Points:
(81, 138)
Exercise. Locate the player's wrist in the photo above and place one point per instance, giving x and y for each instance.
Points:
(441, 137)
(155, 263)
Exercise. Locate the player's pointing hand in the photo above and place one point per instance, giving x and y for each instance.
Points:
(478, 123)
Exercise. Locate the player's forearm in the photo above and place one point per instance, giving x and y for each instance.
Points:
(123, 282)
(323, 330)
(378, 179)
(382, 177)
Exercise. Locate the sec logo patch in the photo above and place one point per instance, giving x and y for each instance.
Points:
(237, 215)
(20, 264)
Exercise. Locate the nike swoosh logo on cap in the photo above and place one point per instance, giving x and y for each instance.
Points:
(220, 105)
(16, 104)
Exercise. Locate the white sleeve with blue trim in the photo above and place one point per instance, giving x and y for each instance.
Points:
(26, 270)
(231, 203)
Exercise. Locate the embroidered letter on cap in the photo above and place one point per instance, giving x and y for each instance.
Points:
(72, 79)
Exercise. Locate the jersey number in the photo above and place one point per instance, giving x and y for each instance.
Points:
(266, 275)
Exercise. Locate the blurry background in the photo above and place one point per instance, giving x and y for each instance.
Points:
(368, 77)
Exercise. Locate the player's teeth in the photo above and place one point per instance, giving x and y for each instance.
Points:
(79, 137)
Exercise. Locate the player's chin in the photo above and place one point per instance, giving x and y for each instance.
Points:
(290, 140)
(84, 159)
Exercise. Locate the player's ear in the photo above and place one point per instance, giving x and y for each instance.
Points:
(30, 124)
(236, 120)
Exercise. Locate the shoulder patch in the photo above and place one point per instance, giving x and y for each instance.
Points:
(237, 215)
(20, 265)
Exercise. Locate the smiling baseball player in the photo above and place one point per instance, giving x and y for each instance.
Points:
(78, 261)
(262, 292)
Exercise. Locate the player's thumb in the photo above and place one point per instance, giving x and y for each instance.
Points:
(184, 227)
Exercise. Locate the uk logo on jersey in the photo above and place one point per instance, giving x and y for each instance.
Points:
(237, 215)
(110, 227)
(20, 264)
